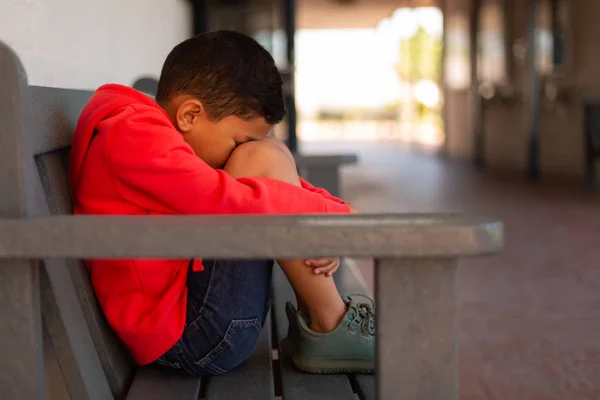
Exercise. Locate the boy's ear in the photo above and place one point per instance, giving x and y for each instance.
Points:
(188, 113)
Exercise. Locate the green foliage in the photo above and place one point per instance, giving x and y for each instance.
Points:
(420, 57)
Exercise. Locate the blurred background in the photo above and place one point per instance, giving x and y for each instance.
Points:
(480, 106)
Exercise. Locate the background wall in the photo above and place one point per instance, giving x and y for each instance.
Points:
(506, 123)
(86, 43)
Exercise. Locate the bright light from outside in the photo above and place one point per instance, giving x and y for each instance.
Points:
(351, 71)
(427, 92)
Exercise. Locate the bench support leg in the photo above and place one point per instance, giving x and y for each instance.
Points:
(21, 351)
(417, 329)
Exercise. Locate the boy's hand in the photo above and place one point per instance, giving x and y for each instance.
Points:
(325, 266)
(353, 209)
(328, 266)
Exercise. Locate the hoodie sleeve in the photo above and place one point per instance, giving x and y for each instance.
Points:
(306, 185)
(154, 168)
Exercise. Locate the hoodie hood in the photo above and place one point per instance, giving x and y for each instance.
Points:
(106, 101)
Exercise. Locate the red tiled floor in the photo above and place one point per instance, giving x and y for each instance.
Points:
(529, 317)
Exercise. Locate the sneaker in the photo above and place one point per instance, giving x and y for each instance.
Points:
(349, 348)
(288, 344)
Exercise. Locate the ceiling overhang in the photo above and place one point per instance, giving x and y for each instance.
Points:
(340, 14)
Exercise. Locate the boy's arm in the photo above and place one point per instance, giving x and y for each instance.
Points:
(154, 168)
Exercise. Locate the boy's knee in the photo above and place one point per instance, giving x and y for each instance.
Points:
(263, 158)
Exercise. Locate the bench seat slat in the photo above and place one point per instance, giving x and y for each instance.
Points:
(298, 385)
(253, 380)
(151, 383)
(366, 386)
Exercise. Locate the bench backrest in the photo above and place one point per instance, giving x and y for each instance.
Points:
(54, 115)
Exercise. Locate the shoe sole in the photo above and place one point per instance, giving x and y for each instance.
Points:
(334, 365)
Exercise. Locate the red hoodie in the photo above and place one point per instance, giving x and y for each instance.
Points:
(139, 164)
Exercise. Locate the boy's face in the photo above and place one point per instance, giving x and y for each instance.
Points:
(214, 141)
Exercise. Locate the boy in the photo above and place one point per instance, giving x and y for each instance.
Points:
(201, 149)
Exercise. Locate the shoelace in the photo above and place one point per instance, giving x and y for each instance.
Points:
(364, 315)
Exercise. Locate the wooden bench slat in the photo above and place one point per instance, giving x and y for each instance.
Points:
(296, 384)
(253, 380)
(81, 236)
(151, 383)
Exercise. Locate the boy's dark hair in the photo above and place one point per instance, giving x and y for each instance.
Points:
(230, 73)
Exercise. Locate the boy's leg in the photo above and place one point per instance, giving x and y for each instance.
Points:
(317, 294)
(227, 305)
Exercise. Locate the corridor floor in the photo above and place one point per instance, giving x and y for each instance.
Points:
(529, 317)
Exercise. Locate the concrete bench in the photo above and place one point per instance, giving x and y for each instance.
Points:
(324, 170)
(321, 170)
(63, 347)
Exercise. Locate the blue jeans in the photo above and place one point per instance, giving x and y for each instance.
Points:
(227, 306)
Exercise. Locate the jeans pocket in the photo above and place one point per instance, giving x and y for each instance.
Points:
(235, 347)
